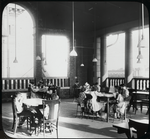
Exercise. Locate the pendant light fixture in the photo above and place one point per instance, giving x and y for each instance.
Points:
(140, 55)
(38, 58)
(73, 52)
(139, 60)
(15, 61)
(45, 52)
(82, 65)
(142, 43)
(94, 59)
(37, 25)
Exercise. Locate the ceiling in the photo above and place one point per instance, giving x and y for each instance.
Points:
(88, 15)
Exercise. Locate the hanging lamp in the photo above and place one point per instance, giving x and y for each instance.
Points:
(73, 52)
(45, 52)
(139, 60)
(38, 58)
(94, 59)
(139, 55)
(15, 60)
(142, 43)
(82, 65)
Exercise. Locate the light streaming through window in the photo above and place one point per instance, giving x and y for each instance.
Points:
(55, 50)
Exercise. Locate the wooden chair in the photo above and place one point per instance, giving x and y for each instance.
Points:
(125, 112)
(78, 110)
(52, 120)
(127, 105)
(141, 128)
(17, 116)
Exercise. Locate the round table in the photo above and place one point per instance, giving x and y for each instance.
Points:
(33, 101)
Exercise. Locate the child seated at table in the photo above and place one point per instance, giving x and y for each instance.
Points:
(120, 105)
(81, 99)
(55, 96)
(26, 110)
(96, 106)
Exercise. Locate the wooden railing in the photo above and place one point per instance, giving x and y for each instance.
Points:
(22, 84)
(115, 81)
(140, 83)
(16, 84)
(137, 83)
(61, 82)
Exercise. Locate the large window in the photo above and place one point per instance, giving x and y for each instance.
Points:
(116, 54)
(140, 69)
(17, 42)
(55, 50)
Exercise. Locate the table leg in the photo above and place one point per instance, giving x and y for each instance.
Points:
(107, 109)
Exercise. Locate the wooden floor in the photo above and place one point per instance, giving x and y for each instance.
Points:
(69, 125)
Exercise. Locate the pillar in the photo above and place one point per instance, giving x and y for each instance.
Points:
(98, 61)
(72, 69)
(38, 52)
(104, 72)
(128, 59)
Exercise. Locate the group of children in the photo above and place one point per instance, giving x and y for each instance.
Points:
(89, 103)
(41, 91)
(34, 112)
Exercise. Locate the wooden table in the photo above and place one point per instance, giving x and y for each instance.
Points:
(145, 94)
(33, 101)
(124, 127)
(108, 96)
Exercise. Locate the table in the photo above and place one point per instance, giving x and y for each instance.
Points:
(108, 96)
(135, 99)
(33, 101)
(124, 127)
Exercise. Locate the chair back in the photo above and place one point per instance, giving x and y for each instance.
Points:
(53, 106)
(141, 128)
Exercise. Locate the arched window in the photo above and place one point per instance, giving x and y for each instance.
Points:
(17, 44)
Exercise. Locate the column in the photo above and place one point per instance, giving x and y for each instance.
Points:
(38, 52)
(104, 72)
(72, 69)
(98, 65)
(128, 59)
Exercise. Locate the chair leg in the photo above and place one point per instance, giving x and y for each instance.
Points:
(57, 132)
(147, 111)
(141, 107)
(15, 125)
(77, 110)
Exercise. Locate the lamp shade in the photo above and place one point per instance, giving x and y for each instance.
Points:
(139, 61)
(94, 60)
(15, 61)
(142, 43)
(82, 65)
(73, 53)
(140, 56)
(38, 58)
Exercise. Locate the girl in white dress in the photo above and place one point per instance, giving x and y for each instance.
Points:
(96, 106)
